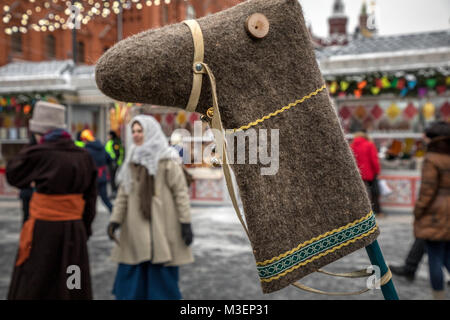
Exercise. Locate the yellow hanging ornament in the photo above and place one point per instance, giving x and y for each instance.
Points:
(428, 110)
(393, 111)
(333, 87)
(344, 85)
(375, 90)
(385, 82)
(7, 121)
(181, 118)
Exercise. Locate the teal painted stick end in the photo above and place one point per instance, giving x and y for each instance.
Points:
(376, 258)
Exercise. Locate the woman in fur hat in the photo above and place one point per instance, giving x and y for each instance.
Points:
(53, 261)
(432, 209)
(152, 210)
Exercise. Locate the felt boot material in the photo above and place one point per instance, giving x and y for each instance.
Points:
(315, 209)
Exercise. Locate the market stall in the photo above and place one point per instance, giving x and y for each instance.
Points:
(23, 83)
(15, 112)
(394, 110)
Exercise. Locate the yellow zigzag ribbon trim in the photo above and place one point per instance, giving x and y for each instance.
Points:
(314, 240)
(273, 114)
(320, 255)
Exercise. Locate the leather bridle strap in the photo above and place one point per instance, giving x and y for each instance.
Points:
(199, 68)
(199, 51)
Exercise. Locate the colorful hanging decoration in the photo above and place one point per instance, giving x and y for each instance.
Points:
(403, 92)
(440, 89)
(410, 111)
(401, 84)
(169, 118)
(17, 104)
(344, 85)
(360, 112)
(194, 117)
(333, 87)
(362, 84)
(431, 83)
(385, 82)
(181, 118)
(422, 92)
(378, 83)
(393, 111)
(394, 83)
(408, 146)
(58, 14)
(445, 111)
(7, 121)
(118, 115)
(414, 84)
(26, 109)
(428, 110)
(344, 113)
(376, 112)
(375, 90)
(157, 116)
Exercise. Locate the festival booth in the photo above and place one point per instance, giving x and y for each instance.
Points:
(22, 84)
(394, 108)
(15, 112)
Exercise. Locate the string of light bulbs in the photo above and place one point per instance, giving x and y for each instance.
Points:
(61, 14)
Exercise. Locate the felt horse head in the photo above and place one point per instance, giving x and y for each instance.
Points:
(315, 209)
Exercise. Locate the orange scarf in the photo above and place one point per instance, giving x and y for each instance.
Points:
(48, 207)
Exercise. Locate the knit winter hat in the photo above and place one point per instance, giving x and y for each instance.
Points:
(47, 116)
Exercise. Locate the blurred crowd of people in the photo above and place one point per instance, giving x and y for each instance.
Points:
(60, 180)
(432, 208)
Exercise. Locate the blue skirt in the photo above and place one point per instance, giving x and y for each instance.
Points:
(146, 281)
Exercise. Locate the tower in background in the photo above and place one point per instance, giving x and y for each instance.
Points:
(338, 21)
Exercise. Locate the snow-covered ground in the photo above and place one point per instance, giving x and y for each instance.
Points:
(224, 266)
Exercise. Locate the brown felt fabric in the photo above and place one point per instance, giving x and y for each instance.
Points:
(317, 188)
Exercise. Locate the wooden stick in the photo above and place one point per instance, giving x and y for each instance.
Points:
(376, 258)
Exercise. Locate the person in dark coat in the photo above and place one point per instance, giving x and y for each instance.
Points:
(431, 212)
(27, 192)
(52, 261)
(366, 157)
(102, 160)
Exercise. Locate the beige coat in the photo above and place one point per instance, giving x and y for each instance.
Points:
(158, 240)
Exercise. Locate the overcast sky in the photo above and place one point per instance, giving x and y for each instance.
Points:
(392, 16)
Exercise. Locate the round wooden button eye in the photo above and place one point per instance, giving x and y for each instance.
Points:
(257, 25)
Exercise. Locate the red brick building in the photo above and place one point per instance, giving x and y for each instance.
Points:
(37, 30)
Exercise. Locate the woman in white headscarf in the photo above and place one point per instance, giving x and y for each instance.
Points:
(153, 212)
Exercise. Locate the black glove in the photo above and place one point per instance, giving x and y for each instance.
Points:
(186, 233)
(112, 227)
